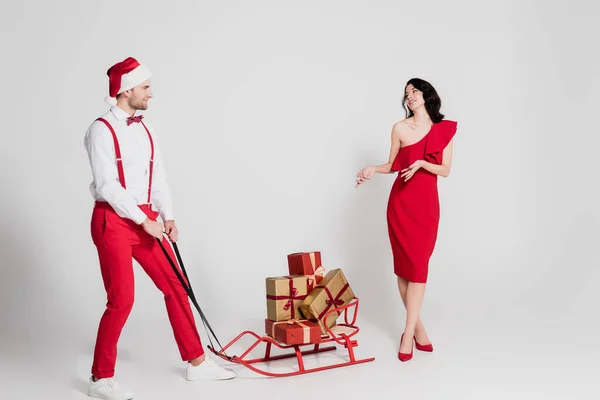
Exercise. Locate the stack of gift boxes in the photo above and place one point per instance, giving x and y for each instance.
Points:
(297, 303)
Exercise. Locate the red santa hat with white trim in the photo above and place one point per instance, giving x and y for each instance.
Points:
(123, 76)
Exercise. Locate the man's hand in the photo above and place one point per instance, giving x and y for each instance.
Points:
(153, 228)
(171, 230)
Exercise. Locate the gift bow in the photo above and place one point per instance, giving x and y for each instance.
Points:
(337, 302)
(293, 293)
(317, 272)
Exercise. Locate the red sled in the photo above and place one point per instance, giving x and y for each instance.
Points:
(341, 334)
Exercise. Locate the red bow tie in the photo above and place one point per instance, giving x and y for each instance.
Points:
(131, 120)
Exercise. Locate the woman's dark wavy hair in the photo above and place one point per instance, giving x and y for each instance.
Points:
(433, 103)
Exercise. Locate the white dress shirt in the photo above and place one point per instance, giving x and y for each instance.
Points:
(135, 154)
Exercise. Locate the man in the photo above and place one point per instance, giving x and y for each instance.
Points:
(130, 189)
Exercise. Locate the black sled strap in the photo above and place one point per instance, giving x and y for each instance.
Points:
(190, 292)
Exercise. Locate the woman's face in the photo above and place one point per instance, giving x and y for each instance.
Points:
(414, 98)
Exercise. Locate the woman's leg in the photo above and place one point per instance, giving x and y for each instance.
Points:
(420, 333)
(414, 298)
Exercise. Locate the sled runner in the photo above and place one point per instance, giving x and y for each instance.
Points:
(340, 335)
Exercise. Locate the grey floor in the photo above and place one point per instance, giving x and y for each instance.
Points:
(479, 354)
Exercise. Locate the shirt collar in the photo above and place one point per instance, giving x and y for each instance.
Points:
(119, 114)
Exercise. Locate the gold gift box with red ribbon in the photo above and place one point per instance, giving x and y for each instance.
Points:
(294, 331)
(284, 295)
(333, 291)
(307, 264)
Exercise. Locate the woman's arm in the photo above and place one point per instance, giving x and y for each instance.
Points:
(367, 172)
(394, 148)
(441, 170)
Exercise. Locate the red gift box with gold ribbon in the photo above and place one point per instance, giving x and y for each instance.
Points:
(307, 264)
(284, 295)
(294, 331)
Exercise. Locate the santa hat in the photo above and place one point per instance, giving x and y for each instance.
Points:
(123, 76)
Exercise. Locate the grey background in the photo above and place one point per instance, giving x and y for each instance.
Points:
(265, 110)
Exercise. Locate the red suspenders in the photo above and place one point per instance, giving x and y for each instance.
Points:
(120, 161)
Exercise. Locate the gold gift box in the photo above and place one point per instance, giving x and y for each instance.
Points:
(284, 295)
(333, 291)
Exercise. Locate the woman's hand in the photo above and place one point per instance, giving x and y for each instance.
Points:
(408, 173)
(364, 175)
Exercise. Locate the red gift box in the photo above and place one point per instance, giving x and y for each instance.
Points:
(294, 331)
(308, 264)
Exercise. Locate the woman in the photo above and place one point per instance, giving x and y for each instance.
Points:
(421, 150)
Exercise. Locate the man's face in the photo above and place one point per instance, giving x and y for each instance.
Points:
(139, 96)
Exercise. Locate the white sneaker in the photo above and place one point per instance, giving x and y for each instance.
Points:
(208, 369)
(108, 389)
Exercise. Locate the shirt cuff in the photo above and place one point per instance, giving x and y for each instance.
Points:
(139, 216)
(167, 216)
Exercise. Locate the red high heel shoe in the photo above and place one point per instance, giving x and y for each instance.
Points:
(423, 347)
(404, 356)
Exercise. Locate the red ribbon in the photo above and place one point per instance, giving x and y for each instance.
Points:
(335, 302)
(288, 304)
(331, 301)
